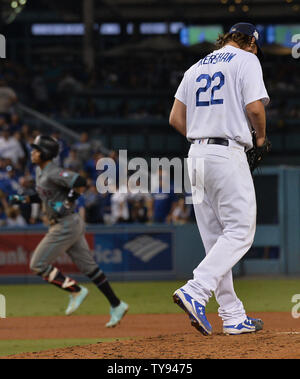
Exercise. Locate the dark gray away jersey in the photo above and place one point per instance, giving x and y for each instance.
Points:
(53, 184)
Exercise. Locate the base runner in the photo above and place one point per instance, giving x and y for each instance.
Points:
(56, 190)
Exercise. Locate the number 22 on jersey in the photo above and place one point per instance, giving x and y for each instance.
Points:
(209, 81)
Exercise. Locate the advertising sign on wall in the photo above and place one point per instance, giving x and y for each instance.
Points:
(114, 251)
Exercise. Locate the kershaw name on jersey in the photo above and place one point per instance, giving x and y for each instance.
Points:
(217, 58)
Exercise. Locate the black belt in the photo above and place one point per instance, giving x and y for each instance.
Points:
(215, 141)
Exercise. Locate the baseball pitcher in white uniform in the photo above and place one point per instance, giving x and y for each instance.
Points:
(218, 101)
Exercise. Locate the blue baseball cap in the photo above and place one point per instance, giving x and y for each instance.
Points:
(249, 30)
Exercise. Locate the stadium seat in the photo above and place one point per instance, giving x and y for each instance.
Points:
(136, 143)
(119, 141)
(292, 141)
(156, 143)
(277, 141)
(174, 143)
(101, 105)
(113, 105)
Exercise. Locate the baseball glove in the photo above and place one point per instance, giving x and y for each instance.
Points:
(257, 153)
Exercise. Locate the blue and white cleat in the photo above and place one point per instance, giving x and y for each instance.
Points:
(250, 325)
(195, 311)
(76, 299)
(117, 313)
(257, 322)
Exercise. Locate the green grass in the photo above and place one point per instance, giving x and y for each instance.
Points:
(267, 295)
(144, 297)
(25, 346)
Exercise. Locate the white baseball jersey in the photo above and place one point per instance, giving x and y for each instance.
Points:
(216, 91)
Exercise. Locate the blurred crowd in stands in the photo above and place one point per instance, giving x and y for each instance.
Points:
(65, 92)
(52, 89)
(17, 175)
(49, 91)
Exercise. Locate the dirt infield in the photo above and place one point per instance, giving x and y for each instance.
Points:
(156, 337)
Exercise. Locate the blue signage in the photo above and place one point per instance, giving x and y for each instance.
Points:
(134, 252)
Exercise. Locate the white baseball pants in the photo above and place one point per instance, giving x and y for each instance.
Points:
(226, 219)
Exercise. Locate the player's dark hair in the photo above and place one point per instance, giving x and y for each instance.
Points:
(241, 39)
